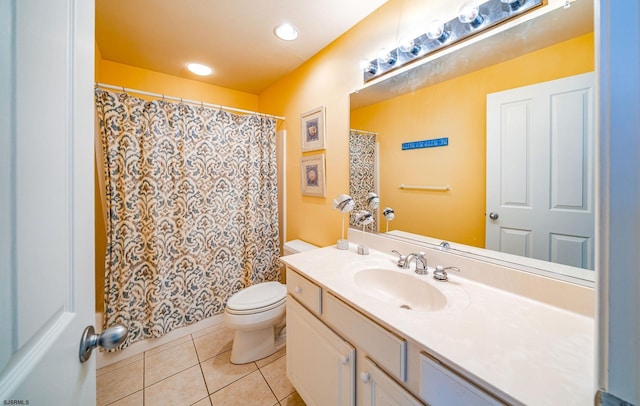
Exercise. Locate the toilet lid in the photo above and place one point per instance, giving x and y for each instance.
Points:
(257, 296)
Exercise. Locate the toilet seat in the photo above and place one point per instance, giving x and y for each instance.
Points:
(257, 298)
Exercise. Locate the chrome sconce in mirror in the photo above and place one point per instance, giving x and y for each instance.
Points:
(474, 17)
(344, 204)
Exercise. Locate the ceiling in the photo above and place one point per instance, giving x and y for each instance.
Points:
(234, 37)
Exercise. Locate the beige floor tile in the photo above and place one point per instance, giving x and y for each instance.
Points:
(184, 388)
(203, 402)
(168, 345)
(252, 390)
(119, 383)
(161, 365)
(136, 399)
(293, 400)
(276, 375)
(219, 371)
(264, 361)
(213, 343)
(119, 364)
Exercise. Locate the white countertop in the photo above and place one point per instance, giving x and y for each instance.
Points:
(521, 349)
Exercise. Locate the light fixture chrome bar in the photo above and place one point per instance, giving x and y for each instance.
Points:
(452, 31)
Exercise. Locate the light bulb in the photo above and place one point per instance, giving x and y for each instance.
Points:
(388, 213)
(368, 67)
(435, 30)
(469, 13)
(514, 4)
(408, 45)
(386, 57)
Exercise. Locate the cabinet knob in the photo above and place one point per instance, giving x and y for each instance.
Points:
(344, 360)
(365, 377)
(298, 289)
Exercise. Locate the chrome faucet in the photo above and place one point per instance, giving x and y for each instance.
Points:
(405, 261)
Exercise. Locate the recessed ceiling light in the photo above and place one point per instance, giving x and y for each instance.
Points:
(286, 32)
(199, 69)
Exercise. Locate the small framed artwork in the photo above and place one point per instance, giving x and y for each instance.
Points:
(313, 134)
(312, 167)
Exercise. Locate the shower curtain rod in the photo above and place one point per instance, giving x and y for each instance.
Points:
(364, 132)
(180, 99)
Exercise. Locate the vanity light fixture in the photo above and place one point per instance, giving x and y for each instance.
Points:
(286, 32)
(199, 69)
(469, 13)
(475, 16)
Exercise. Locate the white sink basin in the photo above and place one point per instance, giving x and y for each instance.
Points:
(400, 290)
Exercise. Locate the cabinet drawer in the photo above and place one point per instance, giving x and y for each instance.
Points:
(387, 349)
(305, 291)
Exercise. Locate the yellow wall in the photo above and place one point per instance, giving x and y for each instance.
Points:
(455, 109)
(141, 79)
(329, 77)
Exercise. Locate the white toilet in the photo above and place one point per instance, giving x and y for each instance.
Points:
(257, 314)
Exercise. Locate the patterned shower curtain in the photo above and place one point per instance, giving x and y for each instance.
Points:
(192, 210)
(362, 171)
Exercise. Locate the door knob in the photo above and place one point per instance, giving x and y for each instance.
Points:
(108, 339)
(493, 215)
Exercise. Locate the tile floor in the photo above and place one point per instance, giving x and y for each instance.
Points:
(195, 370)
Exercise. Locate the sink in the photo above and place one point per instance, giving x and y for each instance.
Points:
(400, 290)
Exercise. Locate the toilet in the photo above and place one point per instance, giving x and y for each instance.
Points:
(257, 314)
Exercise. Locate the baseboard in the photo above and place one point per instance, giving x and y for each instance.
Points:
(104, 358)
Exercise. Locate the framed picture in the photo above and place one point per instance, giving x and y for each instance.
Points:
(313, 134)
(312, 172)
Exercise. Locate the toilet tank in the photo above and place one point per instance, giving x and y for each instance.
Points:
(293, 247)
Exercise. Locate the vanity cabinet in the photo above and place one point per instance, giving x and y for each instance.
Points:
(325, 335)
(320, 364)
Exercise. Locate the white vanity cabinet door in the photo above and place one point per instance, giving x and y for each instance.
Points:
(378, 389)
(320, 364)
(441, 386)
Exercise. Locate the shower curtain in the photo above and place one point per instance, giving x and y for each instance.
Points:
(362, 171)
(192, 210)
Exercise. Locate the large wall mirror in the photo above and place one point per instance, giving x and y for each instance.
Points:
(477, 95)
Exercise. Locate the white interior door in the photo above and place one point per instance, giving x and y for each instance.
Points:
(540, 175)
(46, 189)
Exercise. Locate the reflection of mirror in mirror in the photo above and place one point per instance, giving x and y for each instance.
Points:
(447, 97)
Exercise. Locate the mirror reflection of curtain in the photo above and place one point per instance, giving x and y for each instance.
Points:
(362, 171)
(192, 210)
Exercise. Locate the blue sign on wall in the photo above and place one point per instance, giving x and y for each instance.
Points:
(436, 142)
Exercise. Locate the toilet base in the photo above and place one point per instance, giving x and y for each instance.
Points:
(249, 346)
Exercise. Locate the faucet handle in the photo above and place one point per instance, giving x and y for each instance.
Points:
(402, 259)
(440, 274)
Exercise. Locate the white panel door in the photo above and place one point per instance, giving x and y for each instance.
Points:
(540, 171)
(46, 184)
